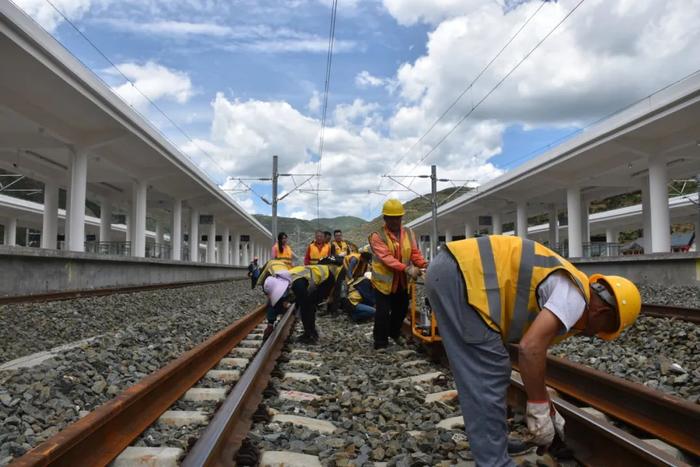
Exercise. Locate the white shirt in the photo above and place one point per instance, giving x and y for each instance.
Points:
(561, 296)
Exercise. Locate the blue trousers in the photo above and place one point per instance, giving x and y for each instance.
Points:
(478, 359)
(362, 312)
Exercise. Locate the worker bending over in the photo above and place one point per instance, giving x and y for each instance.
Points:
(317, 249)
(395, 259)
(306, 286)
(490, 291)
(339, 247)
(282, 251)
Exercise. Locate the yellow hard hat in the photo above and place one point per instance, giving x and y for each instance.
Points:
(629, 302)
(393, 207)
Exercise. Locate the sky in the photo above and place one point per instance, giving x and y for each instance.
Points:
(241, 80)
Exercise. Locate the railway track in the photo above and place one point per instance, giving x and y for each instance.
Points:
(668, 311)
(102, 435)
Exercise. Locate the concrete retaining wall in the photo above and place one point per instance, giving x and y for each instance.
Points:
(33, 271)
(660, 268)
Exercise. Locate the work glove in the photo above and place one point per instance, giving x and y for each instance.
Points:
(413, 272)
(543, 422)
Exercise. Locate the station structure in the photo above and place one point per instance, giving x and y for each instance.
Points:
(641, 148)
(61, 125)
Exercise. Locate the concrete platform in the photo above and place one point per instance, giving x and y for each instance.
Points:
(35, 271)
(660, 268)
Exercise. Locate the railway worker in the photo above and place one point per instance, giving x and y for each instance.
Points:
(253, 272)
(356, 264)
(395, 259)
(339, 247)
(490, 291)
(360, 299)
(306, 286)
(282, 251)
(317, 249)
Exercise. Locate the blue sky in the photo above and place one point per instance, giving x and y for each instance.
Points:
(244, 77)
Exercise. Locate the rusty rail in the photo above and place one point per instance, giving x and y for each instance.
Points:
(668, 311)
(594, 441)
(101, 435)
(669, 418)
(222, 438)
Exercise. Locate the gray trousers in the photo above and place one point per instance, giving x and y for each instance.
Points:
(478, 359)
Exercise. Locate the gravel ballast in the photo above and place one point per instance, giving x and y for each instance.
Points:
(138, 333)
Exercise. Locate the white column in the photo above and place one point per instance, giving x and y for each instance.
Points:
(658, 197)
(521, 219)
(194, 235)
(49, 229)
(236, 248)
(611, 235)
(78, 189)
(11, 232)
(176, 231)
(225, 246)
(251, 249)
(106, 221)
(553, 227)
(497, 223)
(159, 232)
(127, 220)
(573, 214)
(646, 216)
(469, 227)
(138, 230)
(585, 224)
(211, 243)
(245, 260)
(448, 235)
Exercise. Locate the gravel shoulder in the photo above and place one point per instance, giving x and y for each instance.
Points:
(140, 333)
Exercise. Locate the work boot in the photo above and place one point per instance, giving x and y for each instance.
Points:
(307, 339)
(380, 345)
(268, 330)
(518, 447)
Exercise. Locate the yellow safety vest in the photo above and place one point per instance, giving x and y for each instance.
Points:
(354, 295)
(285, 256)
(341, 248)
(271, 267)
(316, 253)
(360, 264)
(316, 274)
(502, 274)
(382, 275)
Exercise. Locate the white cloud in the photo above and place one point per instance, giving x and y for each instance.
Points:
(409, 12)
(364, 80)
(44, 14)
(155, 81)
(314, 104)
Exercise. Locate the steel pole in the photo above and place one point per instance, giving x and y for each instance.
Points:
(434, 234)
(275, 176)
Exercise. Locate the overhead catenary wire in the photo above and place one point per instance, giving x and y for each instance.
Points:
(496, 86)
(324, 111)
(132, 84)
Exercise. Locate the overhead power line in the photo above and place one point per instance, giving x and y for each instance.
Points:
(324, 112)
(148, 99)
(497, 85)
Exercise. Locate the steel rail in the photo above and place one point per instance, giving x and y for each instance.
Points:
(220, 441)
(596, 442)
(669, 418)
(668, 311)
(105, 432)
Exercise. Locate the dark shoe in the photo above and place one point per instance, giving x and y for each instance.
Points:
(268, 330)
(380, 345)
(307, 339)
(518, 447)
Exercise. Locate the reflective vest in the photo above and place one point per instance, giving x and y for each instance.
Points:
(360, 291)
(316, 275)
(271, 267)
(502, 274)
(360, 266)
(341, 248)
(285, 256)
(382, 275)
(316, 253)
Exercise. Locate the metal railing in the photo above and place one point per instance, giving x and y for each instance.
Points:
(592, 249)
(108, 248)
(158, 250)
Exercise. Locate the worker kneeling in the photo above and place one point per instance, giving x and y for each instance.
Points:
(361, 299)
(493, 290)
